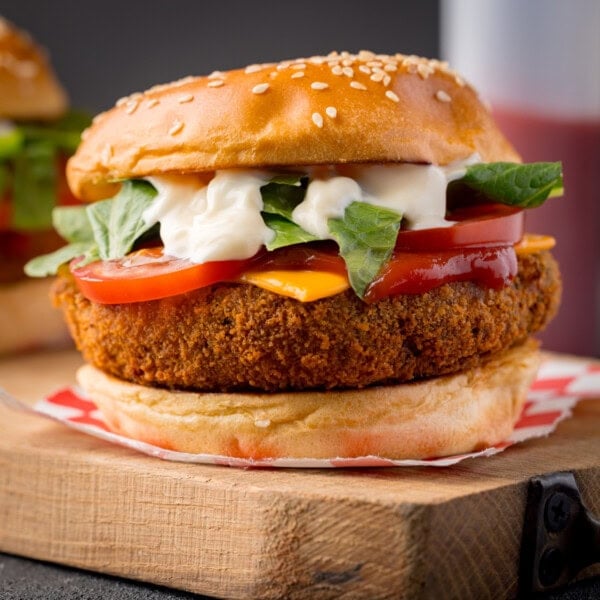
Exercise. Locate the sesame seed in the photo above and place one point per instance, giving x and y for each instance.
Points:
(122, 101)
(337, 70)
(131, 106)
(261, 88)
(152, 102)
(348, 62)
(424, 70)
(215, 83)
(176, 127)
(442, 96)
(357, 86)
(185, 98)
(297, 74)
(299, 66)
(374, 63)
(253, 68)
(392, 96)
(376, 76)
(390, 67)
(216, 75)
(319, 85)
(317, 119)
(263, 423)
(348, 71)
(331, 111)
(106, 154)
(386, 80)
(364, 69)
(365, 55)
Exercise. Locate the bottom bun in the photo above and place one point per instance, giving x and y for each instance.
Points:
(28, 320)
(438, 417)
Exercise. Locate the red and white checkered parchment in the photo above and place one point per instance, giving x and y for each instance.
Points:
(560, 384)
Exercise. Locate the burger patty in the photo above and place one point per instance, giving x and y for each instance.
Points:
(233, 337)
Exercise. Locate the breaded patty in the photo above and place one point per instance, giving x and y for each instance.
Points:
(239, 337)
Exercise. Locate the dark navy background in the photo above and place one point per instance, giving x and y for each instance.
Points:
(105, 50)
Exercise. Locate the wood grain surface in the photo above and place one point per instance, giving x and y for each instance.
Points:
(267, 533)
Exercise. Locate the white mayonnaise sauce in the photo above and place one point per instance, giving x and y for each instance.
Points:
(222, 220)
(218, 221)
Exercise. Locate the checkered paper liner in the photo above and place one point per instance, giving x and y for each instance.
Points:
(560, 384)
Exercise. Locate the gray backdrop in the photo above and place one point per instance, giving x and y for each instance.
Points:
(105, 50)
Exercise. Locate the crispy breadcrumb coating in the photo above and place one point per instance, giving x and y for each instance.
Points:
(239, 337)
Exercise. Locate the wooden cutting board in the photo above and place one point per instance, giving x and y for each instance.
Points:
(375, 533)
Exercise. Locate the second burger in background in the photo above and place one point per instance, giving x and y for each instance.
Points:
(37, 135)
(318, 258)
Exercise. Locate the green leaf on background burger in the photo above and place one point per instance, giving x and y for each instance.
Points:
(118, 222)
(34, 187)
(5, 179)
(11, 140)
(366, 237)
(64, 134)
(523, 185)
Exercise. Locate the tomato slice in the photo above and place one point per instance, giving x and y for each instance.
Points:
(148, 274)
(478, 248)
(477, 226)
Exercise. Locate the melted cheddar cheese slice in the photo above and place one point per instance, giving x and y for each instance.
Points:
(305, 286)
(534, 243)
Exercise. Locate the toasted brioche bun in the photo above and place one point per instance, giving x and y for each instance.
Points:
(28, 320)
(321, 110)
(437, 417)
(28, 87)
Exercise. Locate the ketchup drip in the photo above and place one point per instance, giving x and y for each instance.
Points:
(419, 272)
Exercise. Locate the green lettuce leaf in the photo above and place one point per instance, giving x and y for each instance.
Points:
(523, 185)
(48, 264)
(105, 230)
(117, 222)
(366, 237)
(280, 197)
(287, 233)
(72, 224)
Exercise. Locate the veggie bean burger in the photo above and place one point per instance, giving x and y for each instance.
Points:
(322, 257)
(37, 134)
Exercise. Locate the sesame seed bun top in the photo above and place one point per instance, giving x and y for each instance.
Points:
(28, 87)
(340, 108)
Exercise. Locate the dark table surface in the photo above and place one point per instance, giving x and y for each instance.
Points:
(25, 579)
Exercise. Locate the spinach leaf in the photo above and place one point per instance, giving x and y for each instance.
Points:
(366, 237)
(523, 185)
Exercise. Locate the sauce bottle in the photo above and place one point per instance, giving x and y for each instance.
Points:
(538, 64)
